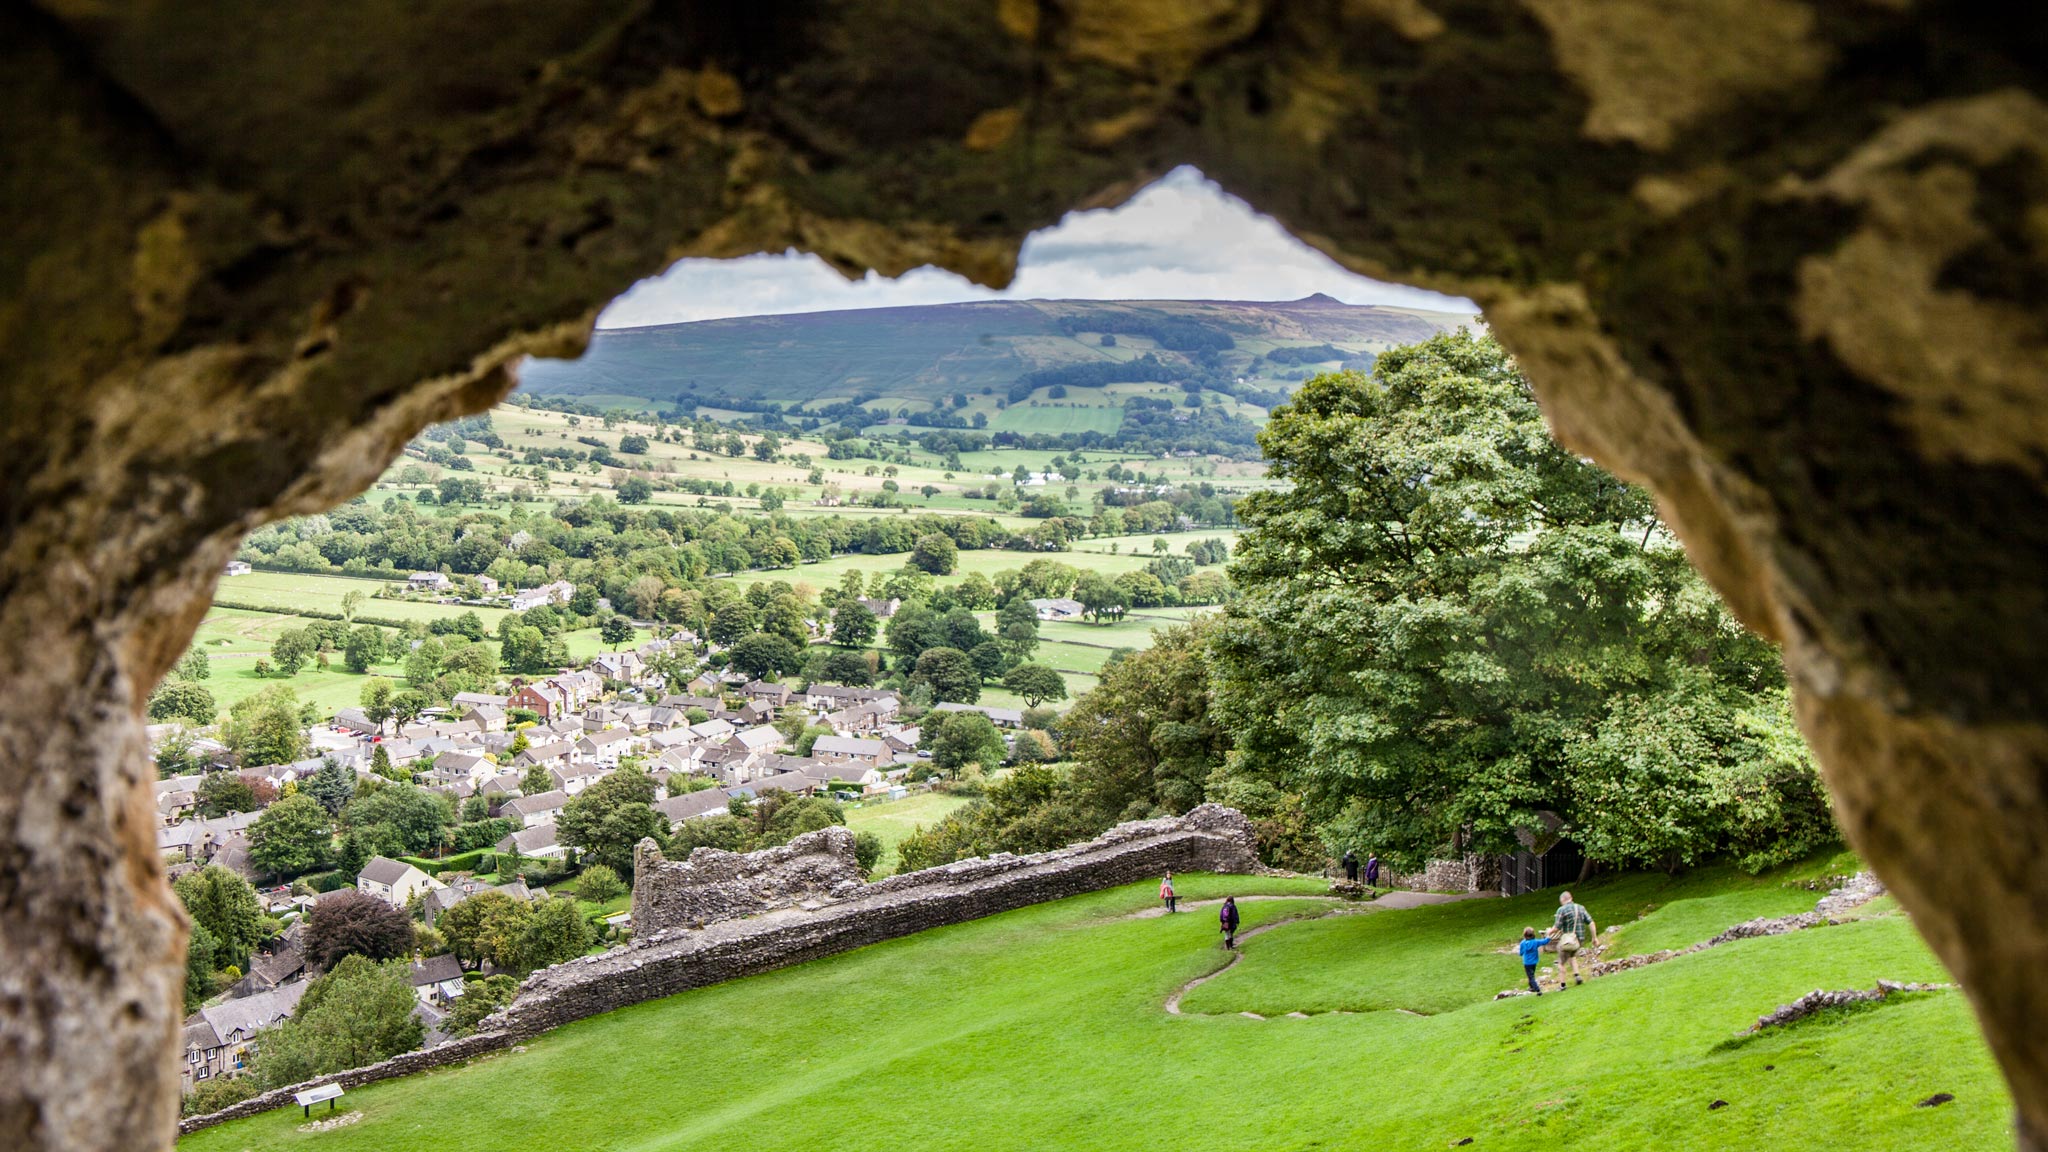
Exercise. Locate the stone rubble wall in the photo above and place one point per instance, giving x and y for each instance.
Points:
(664, 961)
(713, 885)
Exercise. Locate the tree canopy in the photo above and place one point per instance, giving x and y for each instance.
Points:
(1452, 627)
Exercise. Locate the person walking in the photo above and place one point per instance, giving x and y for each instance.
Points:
(1227, 919)
(1573, 929)
(1372, 872)
(1350, 866)
(1532, 953)
(1166, 893)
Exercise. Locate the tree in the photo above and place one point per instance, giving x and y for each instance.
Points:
(988, 660)
(479, 999)
(356, 924)
(356, 851)
(182, 700)
(853, 625)
(634, 490)
(1101, 597)
(1017, 627)
(332, 785)
(351, 603)
(224, 792)
(535, 780)
(553, 932)
(292, 836)
(950, 674)
(376, 698)
(291, 650)
(609, 817)
(357, 1014)
(633, 444)
(1143, 740)
(935, 553)
(400, 818)
(1454, 631)
(407, 705)
(266, 728)
(1036, 683)
(200, 967)
(193, 665)
(483, 927)
(847, 668)
(225, 907)
(615, 630)
(762, 654)
(363, 649)
(599, 884)
(958, 739)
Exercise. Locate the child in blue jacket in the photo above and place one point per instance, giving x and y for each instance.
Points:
(1532, 948)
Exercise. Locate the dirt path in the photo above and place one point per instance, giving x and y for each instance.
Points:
(1391, 902)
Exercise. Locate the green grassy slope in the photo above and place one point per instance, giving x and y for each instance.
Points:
(1044, 1028)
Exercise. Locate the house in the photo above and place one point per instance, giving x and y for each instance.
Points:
(696, 805)
(852, 750)
(542, 698)
(758, 741)
(536, 840)
(217, 1040)
(685, 703)
(470, 699)
(571, 779)
(455, 893)
(353, 720)
(176, 797)
(546, 755)
(558, 592)
(394, 881)
(712, 730)
(437, 979)
(427, 581)
(1058, 608)
(488, 585)
(608, 746)
(275, 968)
(761, 690)
(618, 665)
(835, 696)
(237, 568)
(540, 808)
(755, 712)
(883, 609)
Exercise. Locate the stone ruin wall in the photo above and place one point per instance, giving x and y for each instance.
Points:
(699, 931)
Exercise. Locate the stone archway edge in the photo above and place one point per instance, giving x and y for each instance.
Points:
(1211, 838)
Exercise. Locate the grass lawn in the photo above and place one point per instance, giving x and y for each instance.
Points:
(892, 820)
(296, 591)
(1044, 1028)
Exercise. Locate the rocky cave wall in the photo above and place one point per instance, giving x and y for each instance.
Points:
(1781, 260)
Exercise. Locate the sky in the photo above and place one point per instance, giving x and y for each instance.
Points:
(1182, 238)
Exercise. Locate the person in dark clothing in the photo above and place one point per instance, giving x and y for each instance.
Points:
(1228, 919)
(1350, 866)
(1372, 871)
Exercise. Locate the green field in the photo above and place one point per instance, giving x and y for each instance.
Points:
(234, 639)
(1046, 1028)
(1057, 416)
(301, 591)
(892, 820)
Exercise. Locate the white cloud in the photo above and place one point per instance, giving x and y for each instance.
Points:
(1183, 238)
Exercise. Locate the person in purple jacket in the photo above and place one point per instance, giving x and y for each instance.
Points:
(1532, 953)
(1227, 918)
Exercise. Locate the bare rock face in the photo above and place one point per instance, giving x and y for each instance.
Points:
(1782, 261)
(713, 885)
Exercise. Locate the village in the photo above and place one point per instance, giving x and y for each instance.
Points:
(714, 743)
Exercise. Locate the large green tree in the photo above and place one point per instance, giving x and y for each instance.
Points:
(182, 700)
(853, 624)
(950, 674)
(608, 818)
(1143, 740)
(1452, 627)
(292, 836)
(1036, 683)
(957, 739)
(225, 906)
(357, 1014)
